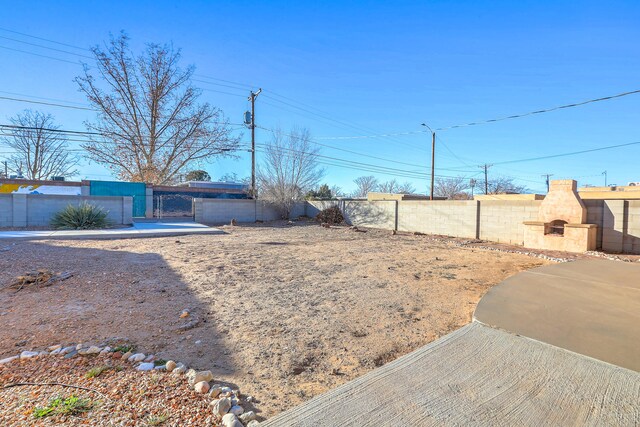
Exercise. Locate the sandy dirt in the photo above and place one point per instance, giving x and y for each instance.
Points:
(285, 312)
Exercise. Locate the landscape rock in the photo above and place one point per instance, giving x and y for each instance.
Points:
(253, 423)
(150, 358)
(106, 350)
(215, 391)
(28, 354)
(93, 350)
(79, 346)
(54, 347)
(126, 355)
(43, 353)
(71, 354)
(221, 406)
(145, 366)
(231, 420)
(179, 369)
(116, 355)
(55, 352)
(67, 350)
(236, 410)
(247, 416)
(170, 365)
(195, 377)
(8, 359)
(201, 387)
(138, 357)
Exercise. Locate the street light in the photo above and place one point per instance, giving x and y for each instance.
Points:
(433, 155)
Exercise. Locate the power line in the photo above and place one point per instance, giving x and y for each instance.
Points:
(328, 160)
(47, 47)
(47, 103)
(573, 153)
(547, 110)
(43, 39)
(513, 116)
(346, 150)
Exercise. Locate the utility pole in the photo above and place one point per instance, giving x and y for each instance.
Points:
(433, 156)
(547, 175)
(6, 170)
(252, 98)
(605, 178)
(472, 184)
(486, 181)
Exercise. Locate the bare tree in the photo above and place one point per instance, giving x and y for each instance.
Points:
(336, 191)
(451, 188)
(150, 126)
(289, 169)
(393, 186)
(505, 185)
(365, 185)
(40, 151)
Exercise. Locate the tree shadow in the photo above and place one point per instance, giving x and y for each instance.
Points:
(114, 295)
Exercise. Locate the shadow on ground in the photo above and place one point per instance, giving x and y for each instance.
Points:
(112, 296)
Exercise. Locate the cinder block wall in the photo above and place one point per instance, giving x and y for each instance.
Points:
(631, 241)
(222, 211)
(595, 215)
(502, 220)
(618, 221)
(6, 210)
(25, 210)
(456, 218)
(378, 214)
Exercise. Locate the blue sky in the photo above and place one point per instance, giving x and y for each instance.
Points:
(369, 68)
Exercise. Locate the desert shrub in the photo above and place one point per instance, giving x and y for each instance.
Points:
(81, 217)
(331, 215)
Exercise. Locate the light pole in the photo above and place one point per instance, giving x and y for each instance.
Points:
(433, 156)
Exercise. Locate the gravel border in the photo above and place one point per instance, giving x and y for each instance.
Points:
(223, 404)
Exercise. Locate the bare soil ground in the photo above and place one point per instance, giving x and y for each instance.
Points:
(285, 312)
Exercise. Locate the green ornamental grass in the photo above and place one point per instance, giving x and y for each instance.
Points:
(82, 217)
(72, 405)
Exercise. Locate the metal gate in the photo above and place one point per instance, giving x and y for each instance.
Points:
(172, 206)
(137, 190)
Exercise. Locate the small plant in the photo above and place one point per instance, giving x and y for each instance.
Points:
(156, 420)
(82, 217)
(124, 348)
(95, 372)
(72, 405)
(331, 215)
(159, 362)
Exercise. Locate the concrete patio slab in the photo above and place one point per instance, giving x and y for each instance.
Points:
(478, 375)
(484, 375)
(138, 230)
(591, 307)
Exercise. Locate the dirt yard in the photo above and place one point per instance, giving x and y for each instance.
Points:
(285, 312)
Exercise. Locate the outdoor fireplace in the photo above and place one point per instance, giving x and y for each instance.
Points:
(561, 223)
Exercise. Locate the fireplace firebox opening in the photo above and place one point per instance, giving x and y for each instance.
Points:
(556, 227)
